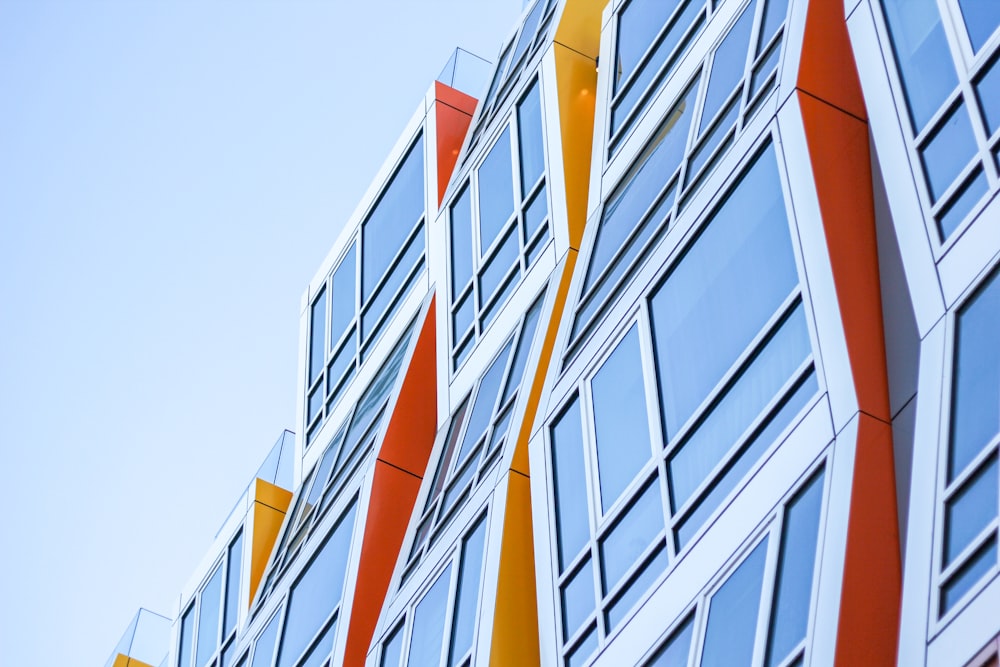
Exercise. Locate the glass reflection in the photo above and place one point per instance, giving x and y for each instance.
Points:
(569, 484)
(496, 191)
(428, 624)
(732, 614)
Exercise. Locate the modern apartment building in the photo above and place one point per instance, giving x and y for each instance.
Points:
(680, 346)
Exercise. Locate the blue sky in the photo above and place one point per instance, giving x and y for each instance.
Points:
(171, 175)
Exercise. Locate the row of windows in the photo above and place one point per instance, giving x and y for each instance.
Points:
(363, 291)
(971, 481)
(442, 622)
(952, 87)
(499, 225)
(700, 127)
(715, 365)
(209, 622)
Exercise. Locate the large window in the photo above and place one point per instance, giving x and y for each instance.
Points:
(208, 625)
(499, 225)
(442, 622)
(971, 486)
(952, 103)
(697, 130)
(697, 388)
(362, 293)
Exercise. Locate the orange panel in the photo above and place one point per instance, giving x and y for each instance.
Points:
(869, 605)
(827, 69)
(515, 621)
(451, 125)
(394, 492)
(268, 511)
(455, 98)
(580, 26)
(576, 81)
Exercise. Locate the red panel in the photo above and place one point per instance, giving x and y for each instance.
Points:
(827, 69)
(455, 98)
(453, 116)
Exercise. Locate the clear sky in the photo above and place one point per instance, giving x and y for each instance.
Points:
(172, 172)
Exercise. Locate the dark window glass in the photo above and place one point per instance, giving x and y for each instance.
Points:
(793, 588)
(390, 222)
(569, 484)
(317, 336)
(722, 292)
(393, 648)
(187, 640)
(981, 19)
(263, 652)
(343, 307)
(208, 618)
(497, 75)
(486, 399)
(922, 56)
(969, 574)
(988, 92)
(975, 418)
(578, 600)
(620, 419)
(970, 510)
(732, 614)
(461, 243)
(317, 592)
(638, 24)
(727, 66)
(449, 451)
(235, 559)
(674, 652)
(948, 151)
(496, 191)
(641, 524)
(428, 624)
(464, 621)
(529, 125)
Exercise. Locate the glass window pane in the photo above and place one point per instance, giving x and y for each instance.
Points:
(640, 583)
(569, 484)
(970, 510)
(235, 560)
(529, 124)
(263, 652)
(496, 191)
(464, 622)
(981, 562)
(578, 599)
(727, 66)
(583, 650)
(344, 296)
(523, 348)
(638, 24)
(922, 56)
(208, 618)
(718, 297)
(392, 648)
(535, 214)
(774, 15)
(975, 416)
(486, 398)
(444, 463)
(396, 281)
(988, 92)
(428, 624)
(948, 151)
(498, 266)
(981, 20)
(186, 651)
(497, 75)
(393, 217)
(620, 419)
(675, 652)
(732, 615)
(528, 31)
(793, 587)
(967, 197)
(461, 242)
(317, 336)
(641, 524)
(321, 649)
(317, 592)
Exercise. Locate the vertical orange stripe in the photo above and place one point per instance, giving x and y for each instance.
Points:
(453, 114)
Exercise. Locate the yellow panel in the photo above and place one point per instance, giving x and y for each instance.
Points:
(580, 26)
(576, 81)
(271, 495)
(515, 622)
(265, 526)
(132, 662)
(121, 661)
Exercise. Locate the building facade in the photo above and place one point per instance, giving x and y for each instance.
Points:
(680, 345)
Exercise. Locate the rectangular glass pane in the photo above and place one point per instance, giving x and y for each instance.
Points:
(529, 133)
(988, 93)
(186, 651)
(317, 336)
(583, 650)
(463, 316)
(395, 282)
(527, 32)
(640, 583)
(975, 412)
(486, 399)
(569, 484)
(461, 242)
(727, 66)
(981, 562)
(981, 20)
(500, 298)
(321, 649)
(315, 402)
(674, 652)
(464, 622)
(948, 152)
(342, 360)
(634, 532)
(496, 191)
(209, 613)
(774, 16)
(970, 510)
(235, 560)
(719, 135)
(793, 587)
(638, 24)
(392, 648)
(535, 214)
(578, 599)
(427, 635)
(498, 266)
(394, 215)
(732, 614)
(263, 651)
(523, 348)
(343, 309)
(620, 419)
(967, 197)
(444, 463)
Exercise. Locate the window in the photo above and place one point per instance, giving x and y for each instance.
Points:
(499, 225)
(702, 123)
(322, 485)
(971, 486)
(699, 386)
(442, 623)
(362, 293)
(948, 127)
(476, 434)
(216, 608)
